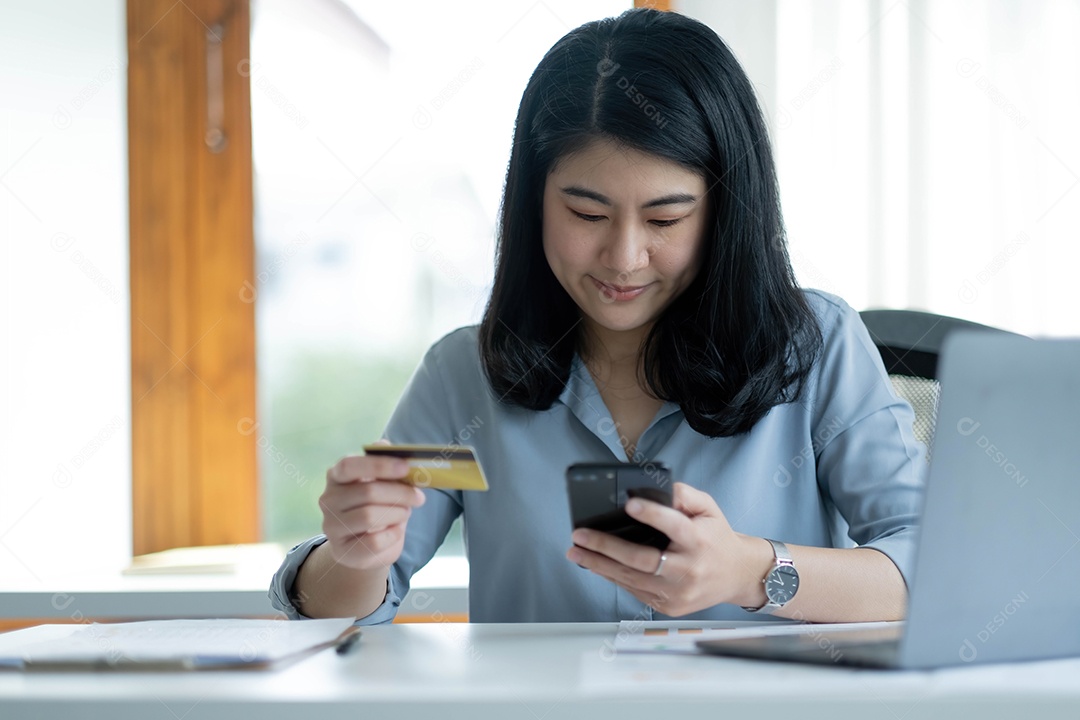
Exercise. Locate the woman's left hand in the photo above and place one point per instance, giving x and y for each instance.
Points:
(706, 563)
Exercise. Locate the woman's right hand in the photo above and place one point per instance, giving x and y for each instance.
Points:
(365, 508)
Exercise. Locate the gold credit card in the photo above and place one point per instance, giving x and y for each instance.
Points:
(448, 467)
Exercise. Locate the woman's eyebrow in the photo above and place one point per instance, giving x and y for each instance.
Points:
(578, 191)
(673, 199)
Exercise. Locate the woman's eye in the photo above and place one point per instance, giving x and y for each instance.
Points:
(665, 223)
(588, 218)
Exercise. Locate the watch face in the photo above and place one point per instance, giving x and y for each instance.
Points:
(781, 584)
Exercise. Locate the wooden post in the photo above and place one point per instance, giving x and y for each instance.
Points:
(195, 477)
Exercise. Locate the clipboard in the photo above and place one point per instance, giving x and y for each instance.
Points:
(171, 645)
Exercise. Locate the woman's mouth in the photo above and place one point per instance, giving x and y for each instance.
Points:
(619, 293)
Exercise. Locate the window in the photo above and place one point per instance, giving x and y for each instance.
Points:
(380, 147)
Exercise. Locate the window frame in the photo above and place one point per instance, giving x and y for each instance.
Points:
(193, 382)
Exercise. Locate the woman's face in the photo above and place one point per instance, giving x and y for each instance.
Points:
(623, 233)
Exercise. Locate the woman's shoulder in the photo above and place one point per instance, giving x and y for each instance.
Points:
(826, 306)
(848, 351)
(457, 342)
(457, 353)
(832, 312)
(844, 336)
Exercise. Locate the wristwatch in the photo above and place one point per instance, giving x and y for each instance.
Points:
(781, 583)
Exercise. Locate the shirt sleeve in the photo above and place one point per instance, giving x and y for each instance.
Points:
(282, 583)
(423, 415)
(870, 466)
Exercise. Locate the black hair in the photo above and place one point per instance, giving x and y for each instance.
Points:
(741, 338)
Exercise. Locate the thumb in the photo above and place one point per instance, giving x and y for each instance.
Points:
(692, 501)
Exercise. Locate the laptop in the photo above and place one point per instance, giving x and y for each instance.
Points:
(997, 568)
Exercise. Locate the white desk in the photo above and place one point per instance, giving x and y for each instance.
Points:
(542, 672)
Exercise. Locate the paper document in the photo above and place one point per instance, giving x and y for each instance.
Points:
(680, 636)
(168, 644)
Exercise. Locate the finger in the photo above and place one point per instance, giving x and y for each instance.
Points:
(623, 575)
(366, 468)
(368, 550)
(673, 523)
(386, 540)
(341, 498)
(371, 518)
(652, 591)
(692, 501)
(657, 598)
(374, 541)
(624, 552)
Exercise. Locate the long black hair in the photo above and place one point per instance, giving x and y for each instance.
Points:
(741, 338)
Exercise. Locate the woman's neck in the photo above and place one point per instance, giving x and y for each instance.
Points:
(613, 357)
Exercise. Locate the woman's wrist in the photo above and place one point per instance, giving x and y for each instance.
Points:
(326, 588)
(755, 558)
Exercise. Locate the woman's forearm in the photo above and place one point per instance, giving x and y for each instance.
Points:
(835, 585)
(324, 588)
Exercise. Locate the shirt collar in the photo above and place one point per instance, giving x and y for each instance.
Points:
(583, 399)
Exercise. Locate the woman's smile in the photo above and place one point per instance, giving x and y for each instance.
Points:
(619, 293)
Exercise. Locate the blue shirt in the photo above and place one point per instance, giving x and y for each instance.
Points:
(839, 467)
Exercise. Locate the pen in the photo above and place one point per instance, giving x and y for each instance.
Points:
(347, 643)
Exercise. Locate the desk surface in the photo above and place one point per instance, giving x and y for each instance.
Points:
(542, 672)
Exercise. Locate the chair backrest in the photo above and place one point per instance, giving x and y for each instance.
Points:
(909, 342)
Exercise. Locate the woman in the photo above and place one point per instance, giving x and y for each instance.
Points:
(644, 308)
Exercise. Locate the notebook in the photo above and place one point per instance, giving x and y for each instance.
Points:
(997, 570)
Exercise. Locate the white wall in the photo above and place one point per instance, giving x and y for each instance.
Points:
(65, 470)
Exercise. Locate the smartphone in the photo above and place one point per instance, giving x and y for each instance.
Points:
(596, 501)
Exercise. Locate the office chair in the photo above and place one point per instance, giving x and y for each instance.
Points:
(909, 342)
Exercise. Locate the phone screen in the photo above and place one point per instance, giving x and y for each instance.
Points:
(598, 492)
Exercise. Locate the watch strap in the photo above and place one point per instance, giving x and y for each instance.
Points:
(782, 557)
(780, 551)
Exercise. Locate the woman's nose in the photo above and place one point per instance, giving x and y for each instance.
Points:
(627, 248)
